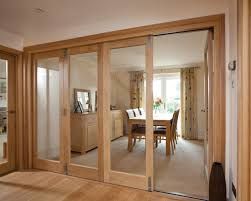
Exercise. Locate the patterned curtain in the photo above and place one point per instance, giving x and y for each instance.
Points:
(137, 88)
(188, 104)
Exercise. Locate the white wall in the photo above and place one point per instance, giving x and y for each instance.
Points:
(11, 40)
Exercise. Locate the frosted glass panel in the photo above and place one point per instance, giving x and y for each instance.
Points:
(3, 110)
(48, 130)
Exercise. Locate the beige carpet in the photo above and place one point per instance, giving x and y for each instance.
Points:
(182, 172)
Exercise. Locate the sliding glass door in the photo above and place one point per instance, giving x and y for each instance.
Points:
(48, 141)
(7, 113)
(128, 138)
(82, 128)
(93, 112)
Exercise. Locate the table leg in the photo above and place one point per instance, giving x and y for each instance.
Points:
(129, 137)
(168, 139)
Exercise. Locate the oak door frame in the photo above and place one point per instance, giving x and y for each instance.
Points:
(112, 176)
(40, 163)
(18, 151)
(244, 101)
(9, 164)
(83, 171)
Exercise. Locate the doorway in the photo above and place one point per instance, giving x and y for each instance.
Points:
(180, 85)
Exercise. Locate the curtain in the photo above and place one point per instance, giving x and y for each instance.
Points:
(136, 88)
(188, 104)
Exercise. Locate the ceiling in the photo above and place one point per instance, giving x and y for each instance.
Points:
(170, 51)
(64, 19)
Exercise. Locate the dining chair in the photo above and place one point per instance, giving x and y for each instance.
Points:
(174, 128)
(141, 111)
(136, 112)
(138, 131)
(130, 113)
(160, 132)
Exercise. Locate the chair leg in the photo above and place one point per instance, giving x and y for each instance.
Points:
(156, 142)
(160, 139)
(172, 146)
(134, 141)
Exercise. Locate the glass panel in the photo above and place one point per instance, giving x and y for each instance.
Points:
(83, 99)
(179, 96)
(127, 105)
(48, 104)
(3, 109)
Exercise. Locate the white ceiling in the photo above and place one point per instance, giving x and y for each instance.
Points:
(64, 19)
(170, 51)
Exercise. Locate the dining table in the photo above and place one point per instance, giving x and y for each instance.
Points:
(163, 120)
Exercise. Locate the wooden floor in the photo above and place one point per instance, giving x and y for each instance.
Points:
(47, 186)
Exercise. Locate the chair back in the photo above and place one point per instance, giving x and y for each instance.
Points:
(136, 112)
(174, 122)
(141, 111)
(130, 113)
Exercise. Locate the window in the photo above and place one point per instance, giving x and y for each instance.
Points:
(166, 94)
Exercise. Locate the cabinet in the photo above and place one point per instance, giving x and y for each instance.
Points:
(116, 124)
(84, 130)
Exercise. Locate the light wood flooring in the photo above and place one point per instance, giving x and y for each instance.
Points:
(47, 186)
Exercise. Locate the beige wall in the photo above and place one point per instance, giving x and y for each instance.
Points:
(120, 92)
(83, 76)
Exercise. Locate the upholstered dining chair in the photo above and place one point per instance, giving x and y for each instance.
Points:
(160, 132)
(138, 132)
(130, 113)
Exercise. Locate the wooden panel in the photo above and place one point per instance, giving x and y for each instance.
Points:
(210, 84)
(19, 113)
(118, 128)
(104, 112)
(91, 135)
(53, 166)
(11, 83)
(149, 114)
(121, 178)
(83, 49)
(82, 171)
(127, 43)
(244, 101)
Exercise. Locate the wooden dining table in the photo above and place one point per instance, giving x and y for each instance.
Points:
(158, 120)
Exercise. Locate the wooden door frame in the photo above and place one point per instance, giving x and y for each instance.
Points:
(39, 163)
(113, 176)
(17, 153)
(75, 169)
(244, 101)
(215, 23)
